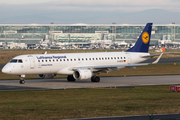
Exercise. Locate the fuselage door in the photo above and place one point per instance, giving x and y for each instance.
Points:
(128, 58)
(32, 62)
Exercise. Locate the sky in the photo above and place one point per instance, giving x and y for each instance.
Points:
(36, 11)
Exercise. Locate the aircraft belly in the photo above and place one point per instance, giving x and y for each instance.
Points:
(65, 72)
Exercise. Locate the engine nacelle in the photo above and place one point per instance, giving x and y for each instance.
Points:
(82, 74)
(46, 76)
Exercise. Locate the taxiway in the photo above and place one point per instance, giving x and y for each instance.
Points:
(106, 82)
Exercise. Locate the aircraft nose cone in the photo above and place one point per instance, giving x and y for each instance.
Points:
(6, 69)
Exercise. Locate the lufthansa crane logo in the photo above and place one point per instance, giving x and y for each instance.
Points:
(145, 37)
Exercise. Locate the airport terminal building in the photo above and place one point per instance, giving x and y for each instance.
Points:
(84, 33)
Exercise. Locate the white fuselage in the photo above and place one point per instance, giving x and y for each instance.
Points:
(64, 63)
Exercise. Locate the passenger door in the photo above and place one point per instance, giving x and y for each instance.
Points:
(128, 58)
(32, 62)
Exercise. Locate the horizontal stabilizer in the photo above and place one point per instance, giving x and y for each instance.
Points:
(149, 56)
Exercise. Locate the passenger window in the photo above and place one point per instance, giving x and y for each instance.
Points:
(93, 58)
(71, 59)
(124, 57)
(67, 59)
(99, 58)
(42, 60)
(105, 58)
(82, 59)
(86, 59)
(49, 60)
(57, 60)
(114, 57)
(96, 58)
(102, 58)
(38, 60)
(117, 57)
(60, 59)
(89, 58)
(111, 57)
(46, 60)
(64, 60)
(121, 57)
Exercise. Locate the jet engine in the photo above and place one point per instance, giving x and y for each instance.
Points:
(46, 76)
(80, 74)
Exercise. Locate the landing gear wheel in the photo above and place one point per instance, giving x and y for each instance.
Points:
(71, 78)
(21, 81)
(95, 79)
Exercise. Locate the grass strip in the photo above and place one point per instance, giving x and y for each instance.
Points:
(85, 103)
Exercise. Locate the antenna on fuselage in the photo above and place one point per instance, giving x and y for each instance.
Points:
(45, 52)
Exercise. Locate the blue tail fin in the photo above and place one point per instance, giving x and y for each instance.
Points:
(142, 44)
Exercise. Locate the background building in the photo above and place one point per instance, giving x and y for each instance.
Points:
(84, 33)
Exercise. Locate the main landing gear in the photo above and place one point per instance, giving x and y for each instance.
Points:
(95, 79)
(22, 81)
(70, 78)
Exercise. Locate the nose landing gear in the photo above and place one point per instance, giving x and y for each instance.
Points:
(22, 81)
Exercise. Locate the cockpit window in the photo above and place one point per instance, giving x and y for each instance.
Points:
(16, 61)
(20, 61)
(13, 61)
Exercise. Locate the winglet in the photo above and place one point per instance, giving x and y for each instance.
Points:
(157, 60)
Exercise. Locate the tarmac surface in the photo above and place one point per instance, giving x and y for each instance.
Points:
(175, 116)
(106, 82)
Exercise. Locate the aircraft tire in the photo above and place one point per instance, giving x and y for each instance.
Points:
(70, 78)
(95, 79)
(22, 81)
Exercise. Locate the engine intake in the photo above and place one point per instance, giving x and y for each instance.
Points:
(82, 74)
(46, 76)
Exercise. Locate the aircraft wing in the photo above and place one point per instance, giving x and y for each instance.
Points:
(115, 67)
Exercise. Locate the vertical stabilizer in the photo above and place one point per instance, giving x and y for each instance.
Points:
(142, 44)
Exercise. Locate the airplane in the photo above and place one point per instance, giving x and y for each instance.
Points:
(82, 66)
(161, 50)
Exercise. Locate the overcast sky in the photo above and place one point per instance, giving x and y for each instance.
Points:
(15, 8)
(99, 5)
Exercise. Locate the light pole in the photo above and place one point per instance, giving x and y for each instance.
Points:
(173, 30)
(114, 30)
